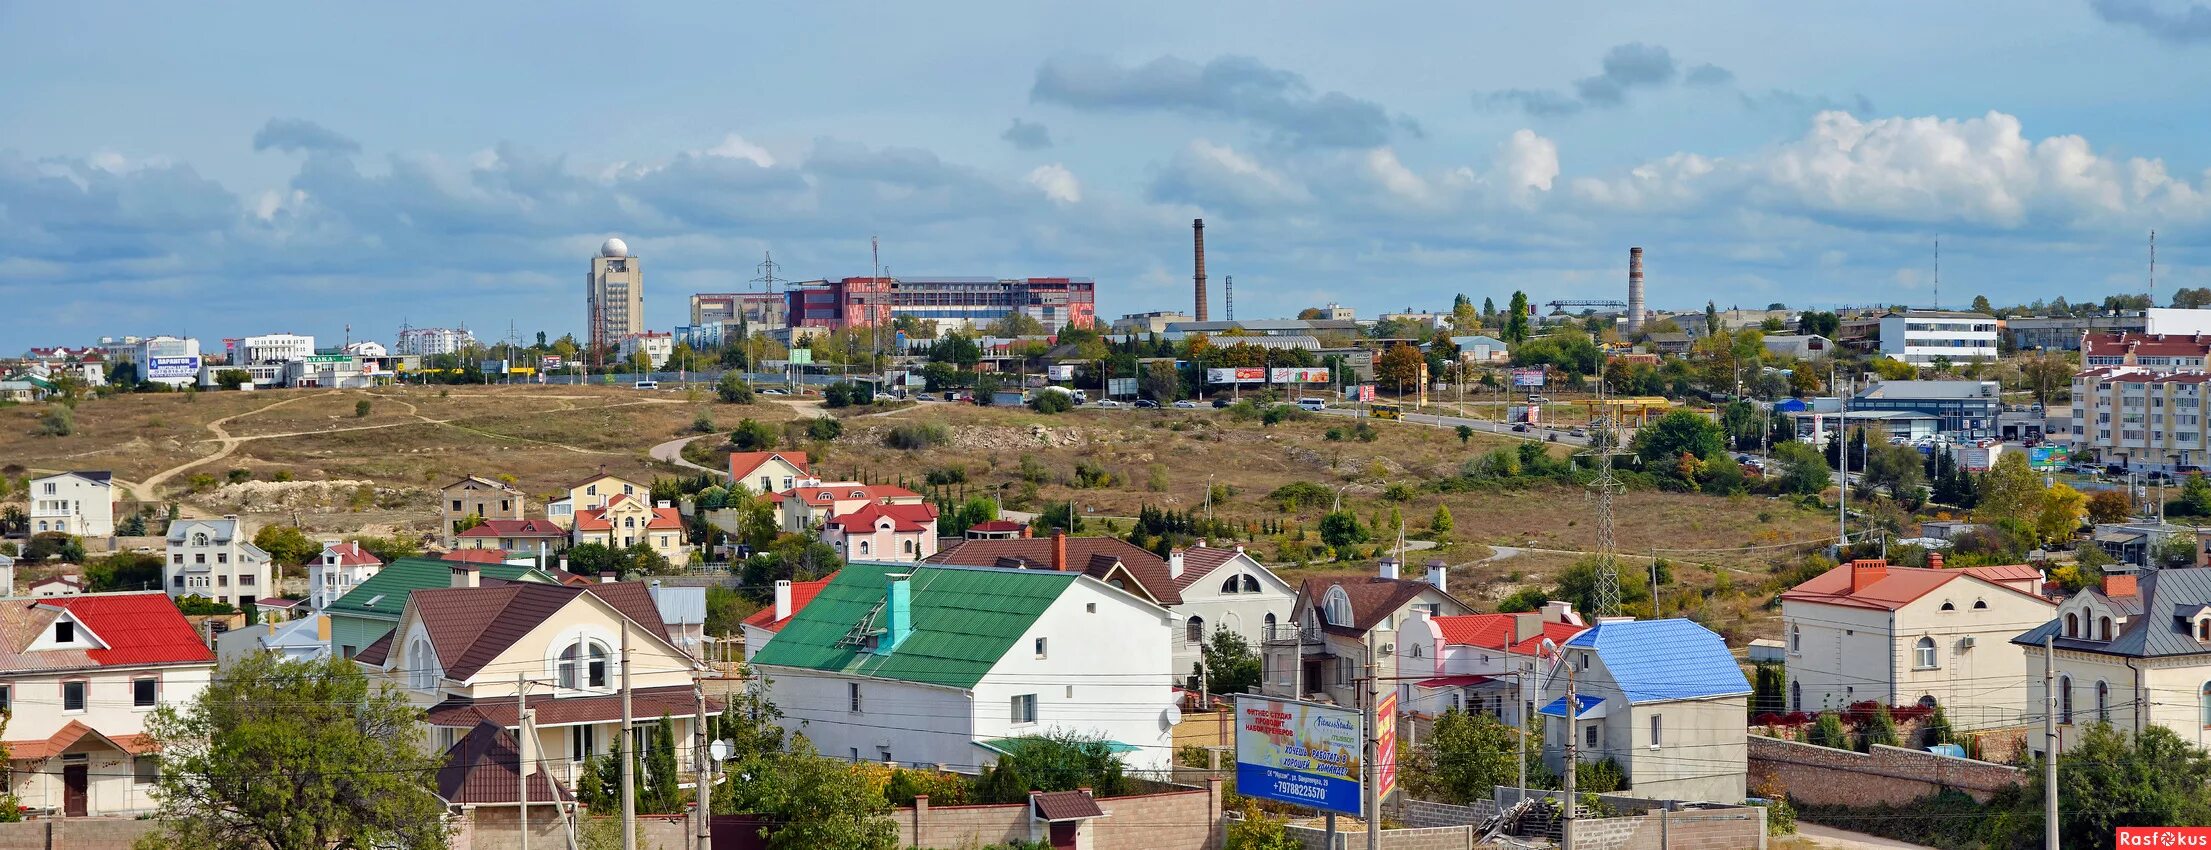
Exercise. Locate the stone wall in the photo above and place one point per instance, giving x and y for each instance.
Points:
(1728, 828)
(1887, 776)
(1421, 813)
(1433, 838)
(494, 828)
(925, 825)
(73, 834)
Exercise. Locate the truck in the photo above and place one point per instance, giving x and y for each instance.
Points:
(1078, 396)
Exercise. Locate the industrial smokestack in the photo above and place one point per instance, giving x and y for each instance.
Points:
(1635, 290)
(1197, 236)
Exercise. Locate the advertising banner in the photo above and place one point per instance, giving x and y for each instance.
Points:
(1298, 752)
(1298, 375)
(1118, 387)
(1063, 371)
(328, 358)
(1366, 392)
(549, 362)
(1527, 377)
(2048, 457)
(1237, 375)
(1385, 746)
(172, 367)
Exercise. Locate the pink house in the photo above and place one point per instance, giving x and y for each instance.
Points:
(884, 532)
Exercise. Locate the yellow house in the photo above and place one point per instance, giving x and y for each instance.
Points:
(626, 521)
(768, 472)
(590, 493)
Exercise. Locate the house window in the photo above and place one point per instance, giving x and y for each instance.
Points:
(2072, 625)
(1589, 736)
(852, 689)
(1024, 708)
(7, 697)
(1658, 731)
(1229, 586)
(422, 672)
(72, 696)
(1796, 696)
(1270, 622)
(582, 742)
(222, 557)
(1040, 647)
(1796, 638)
(64, 631)
(145, 770)
(2203, 629)
(1343, 671)
(143, 691)
(863, 547)
(2103, 703)
(1194, 631)
(2103, 628)
(1251, 585)
(456, 504)
(1947, 606)
(909, 547)
(1337, 611)
(2065, 700)
(2205, 699)
(584, 661)
(1923, 654)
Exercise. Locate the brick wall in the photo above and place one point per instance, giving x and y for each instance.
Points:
(1888, 775)
(1181, 819)
(925, 825)
(494, 828)
(1433, 838)
(73, 834)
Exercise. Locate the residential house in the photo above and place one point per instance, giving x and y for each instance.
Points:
(2134, 652)
(791, 597)
(592, 492)
(1112, 560)
(762, 473)
(1479, 663)
(76, 503)
(1663, 699)
(343, 566)
(475, 497)
(57, 585)
(934, 664)
(997, 529)
(1867, 630)
(1223, 588)
(627, 521)
(884, 532)
(79, 675)
(357, 619)
(1323, 649)
(528, 537)
(811, 506)
(213, 558)
(1670, 344)
(303, 639)
(1479, 349)
(458, 651)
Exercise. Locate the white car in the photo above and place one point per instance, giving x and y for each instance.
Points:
(1186, 404)
(1111, 403)
(773, 392)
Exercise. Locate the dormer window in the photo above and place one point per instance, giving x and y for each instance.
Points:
(1336, 611)
(1229, 586)
(65, 631)
(2203, 629)
(2072, 625)
(2103, 628)
(199, 539)
(1251, 585)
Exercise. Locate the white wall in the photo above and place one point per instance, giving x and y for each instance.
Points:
(917, 724)
(1836, 655)
(37, 698)
(1243, 613)
(1084, 684)
(1702, 754)
(1978, 687)
(74, 505)
(1958, 339)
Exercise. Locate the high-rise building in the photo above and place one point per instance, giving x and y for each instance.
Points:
(614, 296)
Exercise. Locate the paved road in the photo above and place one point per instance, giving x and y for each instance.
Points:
(672, 452)
(1827, 836)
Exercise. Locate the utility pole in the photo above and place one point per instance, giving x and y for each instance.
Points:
(629, 754)
(702, 764)
(2050, 741)
(1371, 807)
(1573, 735)
(1842, 467)
(522, 757)
(1520, 736)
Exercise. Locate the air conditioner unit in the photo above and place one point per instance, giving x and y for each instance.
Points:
(1965, 642)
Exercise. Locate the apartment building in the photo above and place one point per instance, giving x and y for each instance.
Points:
(1923, 337)
(432, 341)
(657, 346)
(215, 559)
(2138, 418)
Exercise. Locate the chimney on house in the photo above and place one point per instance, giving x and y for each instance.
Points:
(664, 503)
(1174, 563)
(898, 613)
(1436, 572)
(467, 575)
(1934, 560)
(1059, 549)
(1525, 625)
(1388, 568)
(782, 600)
(609, 576)
(1560, 611)
(2121, 585)
(564, 564)
(1865, 571)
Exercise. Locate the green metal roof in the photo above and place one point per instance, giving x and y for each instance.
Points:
(384, 595)
(964, 620)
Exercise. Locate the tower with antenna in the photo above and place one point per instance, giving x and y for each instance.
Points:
(2153, 268)
(1938, 274)
(1603, 446)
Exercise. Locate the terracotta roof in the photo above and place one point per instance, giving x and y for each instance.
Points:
(475, 556)
(600, 476)
(594, 519)
(997, 526)
(2153, 345)
(1372, 597)
(516, 528)
(902, 517)
(1493, 631)
(1064, 805)
(845, 491)
(802, 592)
(135, 628)
(378, 650)
(470, 626)
(1197, 561)
(68, 736)
(350, 554)
(1898, 587)
(1035, 553)
(480, 770)
(742, 464)
(277, 603)
(674, 700)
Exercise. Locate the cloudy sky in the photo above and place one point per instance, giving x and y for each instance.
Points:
(255, 167)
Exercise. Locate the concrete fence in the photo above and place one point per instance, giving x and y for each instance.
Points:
(73, 834)
(1886, 776)
(1177, 819)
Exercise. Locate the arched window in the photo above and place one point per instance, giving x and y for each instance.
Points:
(1270, 621)
(1796, 638)
(2065, 699)
(1980, 604)
(1923, 653)
(1337, 610)
(199, 539)
(422, 666)
(909, 547)
(1948, 606)
(1416, 650)
(1796, 696)
(2203, 629)
(1251, 585)
(2103, 628)
(583, 664)
(2072, 625)
(2103, 703)
(1229, 586)
(1194, 631)
(863, 547)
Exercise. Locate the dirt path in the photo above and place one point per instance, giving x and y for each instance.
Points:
(1842, 839)
(146, 490)
(672, 452)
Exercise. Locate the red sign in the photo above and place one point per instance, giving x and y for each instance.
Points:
(2164, 836)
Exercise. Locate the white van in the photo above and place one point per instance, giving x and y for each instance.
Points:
(646, 385)
(1315, 404)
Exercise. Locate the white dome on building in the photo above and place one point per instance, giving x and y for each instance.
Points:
(614, 247)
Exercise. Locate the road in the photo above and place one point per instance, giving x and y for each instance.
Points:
(1840, 839)
(672, 452)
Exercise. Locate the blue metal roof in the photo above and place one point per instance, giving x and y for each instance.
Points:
(1655, 660)
(1557, 708)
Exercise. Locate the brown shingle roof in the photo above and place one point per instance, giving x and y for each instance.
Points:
(1082, 553)
(1065, 805)
(673, 700)
(1372, 597)
(480, 770)
(470, 626)
(1197, 561)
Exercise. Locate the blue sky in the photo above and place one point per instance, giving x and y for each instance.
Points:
(257, 167)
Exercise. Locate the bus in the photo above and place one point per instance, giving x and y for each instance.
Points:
(1379, 410)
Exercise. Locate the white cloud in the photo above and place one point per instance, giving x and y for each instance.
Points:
(1057, 183)
(1382, 164)
(1526, 162)
(1208, 174)
(734, 146)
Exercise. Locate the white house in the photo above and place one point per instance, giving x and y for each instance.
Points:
(656, 345)
(1478, 663)
(1902, 636)
(304, 639)
(2135, 652)
(80, 674)
(7, 575)
(342, 566)
(1343, 626)
(273, 348)
(56, 585)
(76, 503)
(1921, 337)
(929, 664)
(213, 558)
(1663, 699)
(1224, 588)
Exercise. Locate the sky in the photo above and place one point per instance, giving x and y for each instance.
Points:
(230, 169)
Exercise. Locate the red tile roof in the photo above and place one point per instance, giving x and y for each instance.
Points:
(2153, 345)
(138, 628)
(68, 736)
(350, 554)
(1896, 588)
(516, 528)
(997, 526)
(802, 592)
(914, 518)
(1493, 631)
(742, 464)
(475, 556)
(1083, 553)
(480, 770)
(594, 519)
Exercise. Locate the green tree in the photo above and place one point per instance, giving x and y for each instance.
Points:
(2110, 779)
(2109, 506)
(1880, 729)
(1440, 524)
(658, 773)
(2011, 490)
(1516, 324)
(287, 545)
(1258, 830)
(1675, 434)
(295, 755)
(1341, 530)
(725, 609)
(1828, 732)
(2195, 497)
(815, 801)
(1051, 401)
(1466, 433)
(1231, 666)
(752, 436)
(1937, 729)
(1468, 755)
(732, 388)
(1803, 471)
(361, 409)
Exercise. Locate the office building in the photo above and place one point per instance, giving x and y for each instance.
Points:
(614, 296)
(1965, 408)
(270, 348)
(759, 309)
(656, 345)
(951, 302)
(431, 341)
(1922, 337)
(167, 360)
(2063, 333)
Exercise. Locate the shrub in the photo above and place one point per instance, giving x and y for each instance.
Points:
(361, 409)
(1091, 475)
(752, 436)
(1051, 401)
(702, 423)
(824, 429)
(732, 389)
(944, 475)
(1333, 435)
(1301, 494)
(58, 422)
(1364, 433)
(236, 476)
(915, 436)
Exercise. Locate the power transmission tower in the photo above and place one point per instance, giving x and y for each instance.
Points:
(1602, 445)
(767, 269)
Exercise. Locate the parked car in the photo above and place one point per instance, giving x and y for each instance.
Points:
(654, 385)
(1537, 399)
(778, 392)
(1577, 431)
(1522, 428)
(1187, 404)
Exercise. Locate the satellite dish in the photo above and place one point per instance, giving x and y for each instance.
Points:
(718, 751)
(1170, 718)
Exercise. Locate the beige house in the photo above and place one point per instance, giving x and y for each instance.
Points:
(588, 494)
(475, 496)
(1322, 651)
(2133, 642)
(457, 652)
(890, 532)
(1903, 635)
(1663, 699)
(768, 472)
(626, 521)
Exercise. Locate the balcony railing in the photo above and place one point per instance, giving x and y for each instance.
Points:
(1284, 634)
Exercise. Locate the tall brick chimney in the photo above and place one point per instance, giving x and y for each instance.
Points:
(1197, 238)
(1863, 573)
(1059, 549)
(2119, 586)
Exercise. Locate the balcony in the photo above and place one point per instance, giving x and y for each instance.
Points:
(1291, 634)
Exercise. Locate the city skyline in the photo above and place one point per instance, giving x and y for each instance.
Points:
(151, 184)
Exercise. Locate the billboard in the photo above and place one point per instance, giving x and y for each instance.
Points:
(1385, 746)
(172, 367)
(328, 358)
(1063, 371)
(2048, 457)
(1366, 392)
(549, 362)
(1527, 377)
(1120, 386)
(1298, 752)
(1298, 375)
(1237, 375)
